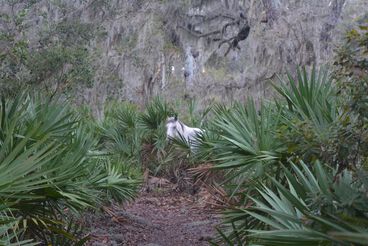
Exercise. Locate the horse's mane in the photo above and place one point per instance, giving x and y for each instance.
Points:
(174, 120)
(171, 120)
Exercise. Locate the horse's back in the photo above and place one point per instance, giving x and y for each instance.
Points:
(194, 133)
(197, 130)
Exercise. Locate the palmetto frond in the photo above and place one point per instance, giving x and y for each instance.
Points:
(247, 144)
(312, 95)
(155, 114)
(309, 209)
(310, 112)
(46, 164)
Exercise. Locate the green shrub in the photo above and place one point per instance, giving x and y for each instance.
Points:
(350, 73)
(310, 113)
(48, 166)
(121, 133)
(136, 137)
(310, 208)
(242, 141)
(291, 205)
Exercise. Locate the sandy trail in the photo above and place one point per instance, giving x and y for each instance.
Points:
(159, 218)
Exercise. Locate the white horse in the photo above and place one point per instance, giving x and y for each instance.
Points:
(176, 129)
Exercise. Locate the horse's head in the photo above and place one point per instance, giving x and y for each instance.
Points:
(172, 127)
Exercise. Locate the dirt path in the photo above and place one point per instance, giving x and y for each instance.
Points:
(160, 218)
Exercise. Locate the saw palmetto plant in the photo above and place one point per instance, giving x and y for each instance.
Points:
(299, 204)
(241, 141)
(308, 208)
(49, 168)
(121, 134)
(310, 113)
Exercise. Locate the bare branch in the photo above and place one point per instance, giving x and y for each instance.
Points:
(226, 41)
(233, 23)
(199, 35)
(225, 18)
(211, 18)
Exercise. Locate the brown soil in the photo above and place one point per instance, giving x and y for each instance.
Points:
(159, 218)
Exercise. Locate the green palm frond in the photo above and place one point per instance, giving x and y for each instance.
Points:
(247, 142)
(64, 234)
(121, 134)
(119, 187)
(311, 95)
(312, 113)
(155, 114)
(124, 117)
(204, 145)
(182, 145)
(9, 232)
(309, 209)
(47, 165)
